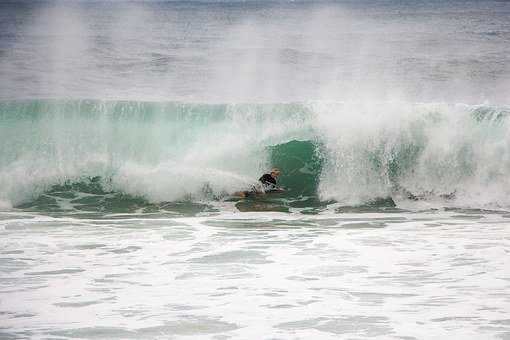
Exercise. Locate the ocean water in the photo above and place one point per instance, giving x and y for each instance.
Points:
(126, 129)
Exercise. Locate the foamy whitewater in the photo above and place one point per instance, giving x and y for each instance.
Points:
(127, 128)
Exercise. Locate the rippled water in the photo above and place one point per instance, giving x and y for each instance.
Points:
(257, 275)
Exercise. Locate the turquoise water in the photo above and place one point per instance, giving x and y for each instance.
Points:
(113, 156)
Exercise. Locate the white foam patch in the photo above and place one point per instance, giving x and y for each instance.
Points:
(172, 181)
(5, 205)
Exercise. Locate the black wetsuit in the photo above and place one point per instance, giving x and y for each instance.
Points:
(269, 182)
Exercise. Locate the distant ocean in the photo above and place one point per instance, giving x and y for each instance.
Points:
(126, 128)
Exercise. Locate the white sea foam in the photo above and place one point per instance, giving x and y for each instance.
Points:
(257, 275)
(378, 149)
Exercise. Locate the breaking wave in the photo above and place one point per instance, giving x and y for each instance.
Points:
(346, 152)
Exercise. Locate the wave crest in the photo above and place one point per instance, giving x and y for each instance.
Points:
(347, 152)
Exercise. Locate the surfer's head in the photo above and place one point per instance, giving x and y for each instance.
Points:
(275, 172)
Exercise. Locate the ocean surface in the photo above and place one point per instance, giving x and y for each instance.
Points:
(126, 129)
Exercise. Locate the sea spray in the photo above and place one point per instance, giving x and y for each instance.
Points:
(419, 151)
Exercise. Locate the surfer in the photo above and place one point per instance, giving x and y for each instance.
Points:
(268, 183)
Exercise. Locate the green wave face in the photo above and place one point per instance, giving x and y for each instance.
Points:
(300, 163)
(128, 156)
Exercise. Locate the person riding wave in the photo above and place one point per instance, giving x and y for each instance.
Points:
(268, 183)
